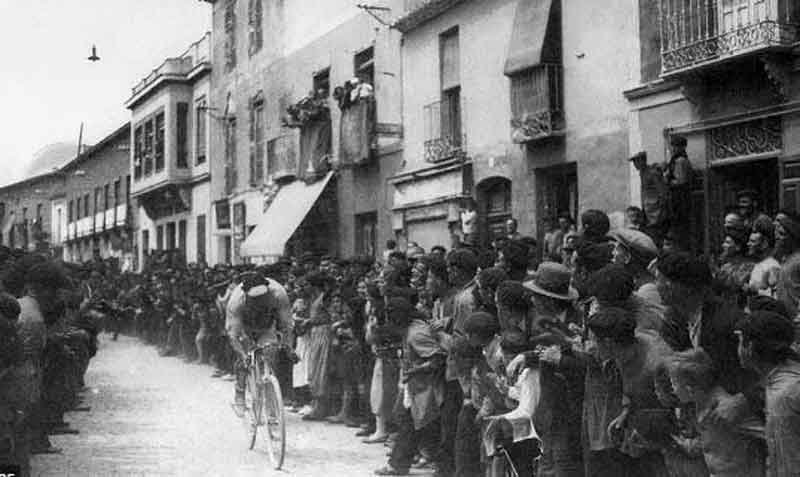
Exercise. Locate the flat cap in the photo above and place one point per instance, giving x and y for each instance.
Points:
(636, 242)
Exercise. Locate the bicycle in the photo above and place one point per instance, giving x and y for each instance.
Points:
(263, 404)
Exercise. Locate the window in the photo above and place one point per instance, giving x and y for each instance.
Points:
(182, 133)
(116, 192)
(138, 152)
(70, 216)
(364, 65)
(145, 241)
(160, 237)
(25, 227)
(128, 189)
(451, 87)
(78, 209)
(159, 148)
(366, 226)
(257, 142)
(106, 197)
(97, 206)
(223, 211)
(230, 35)
(86, 205)
(255, 14)
(200, 131)
(201, 238)
(230, 155)
(39, 210)
(148, 147)
(170, 245)
(182, 238)
(322, 83)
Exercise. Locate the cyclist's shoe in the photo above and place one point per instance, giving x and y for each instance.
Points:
(389, 470)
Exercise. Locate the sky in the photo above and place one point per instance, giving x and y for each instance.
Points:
(48, 87)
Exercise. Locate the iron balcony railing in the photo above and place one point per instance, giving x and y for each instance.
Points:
(697, 32)
(536, 103)
(444, 129)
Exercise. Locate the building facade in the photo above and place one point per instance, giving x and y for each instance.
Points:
(723, 75)
(537, 128)
(301, 169)
(25, 212)
(91, 214)
(169, 157)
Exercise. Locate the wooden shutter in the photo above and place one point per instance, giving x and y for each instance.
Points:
(450, 61)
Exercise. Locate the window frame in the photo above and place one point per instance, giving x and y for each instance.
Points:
(201, 126)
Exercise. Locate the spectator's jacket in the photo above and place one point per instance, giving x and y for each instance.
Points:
(717, 338)
(782, 428)
(463, 306)
(425, 387)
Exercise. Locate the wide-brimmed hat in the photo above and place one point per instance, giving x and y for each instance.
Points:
(553, 280)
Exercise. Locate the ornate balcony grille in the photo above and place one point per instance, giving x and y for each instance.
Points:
(536, 103)
(697, 32)
(444, 137)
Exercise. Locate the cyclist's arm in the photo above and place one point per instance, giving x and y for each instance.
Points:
(285, 323)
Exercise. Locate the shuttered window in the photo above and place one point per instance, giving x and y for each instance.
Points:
(449, 58)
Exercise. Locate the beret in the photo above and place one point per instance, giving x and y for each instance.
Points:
(612, 283)
(595, 223)
(612, 322)
(516, 254)
(768, 328)
(482, 323)
(513, 295)
(492, 277)
(463, 258)
(639, 244)
(684, 268)
(9, 306)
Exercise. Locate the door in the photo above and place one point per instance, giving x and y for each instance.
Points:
(494, 207)
(557, 192)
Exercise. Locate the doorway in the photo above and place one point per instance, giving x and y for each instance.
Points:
(556, 193)
(494, 208)
(725, 180)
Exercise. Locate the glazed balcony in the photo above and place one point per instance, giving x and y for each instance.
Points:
(696, 33)
(194, 58)
(444, 132)
(536, 103)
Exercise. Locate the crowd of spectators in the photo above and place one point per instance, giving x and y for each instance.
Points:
(617, 354)
(48, 334)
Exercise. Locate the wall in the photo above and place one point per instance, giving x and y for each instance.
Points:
(29, 194)
(601, 60)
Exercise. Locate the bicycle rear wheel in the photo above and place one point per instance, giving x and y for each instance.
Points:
(274, 434)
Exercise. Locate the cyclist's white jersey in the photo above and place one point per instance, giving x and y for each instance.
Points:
(280, 307)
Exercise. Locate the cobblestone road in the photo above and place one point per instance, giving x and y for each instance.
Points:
(160, 416)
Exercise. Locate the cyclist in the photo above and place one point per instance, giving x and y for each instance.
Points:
(258, 313)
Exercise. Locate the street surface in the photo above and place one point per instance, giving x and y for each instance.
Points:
(160, 416)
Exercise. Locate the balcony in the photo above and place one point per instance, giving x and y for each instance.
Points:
(695, 33)
(417, 12)
(536, 103)
(444, 137)
(196, 56)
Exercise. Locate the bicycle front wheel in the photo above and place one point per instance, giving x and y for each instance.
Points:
(253, 409)
(275, 422)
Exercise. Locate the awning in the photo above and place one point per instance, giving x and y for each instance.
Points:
(528, 36)
(285, 214)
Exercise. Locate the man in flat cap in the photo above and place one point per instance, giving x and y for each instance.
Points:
(635, 250)
(655, 195)
(678, 175)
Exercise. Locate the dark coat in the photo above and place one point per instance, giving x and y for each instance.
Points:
(717, 338)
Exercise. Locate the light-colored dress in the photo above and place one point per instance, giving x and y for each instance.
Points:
(302, 348)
